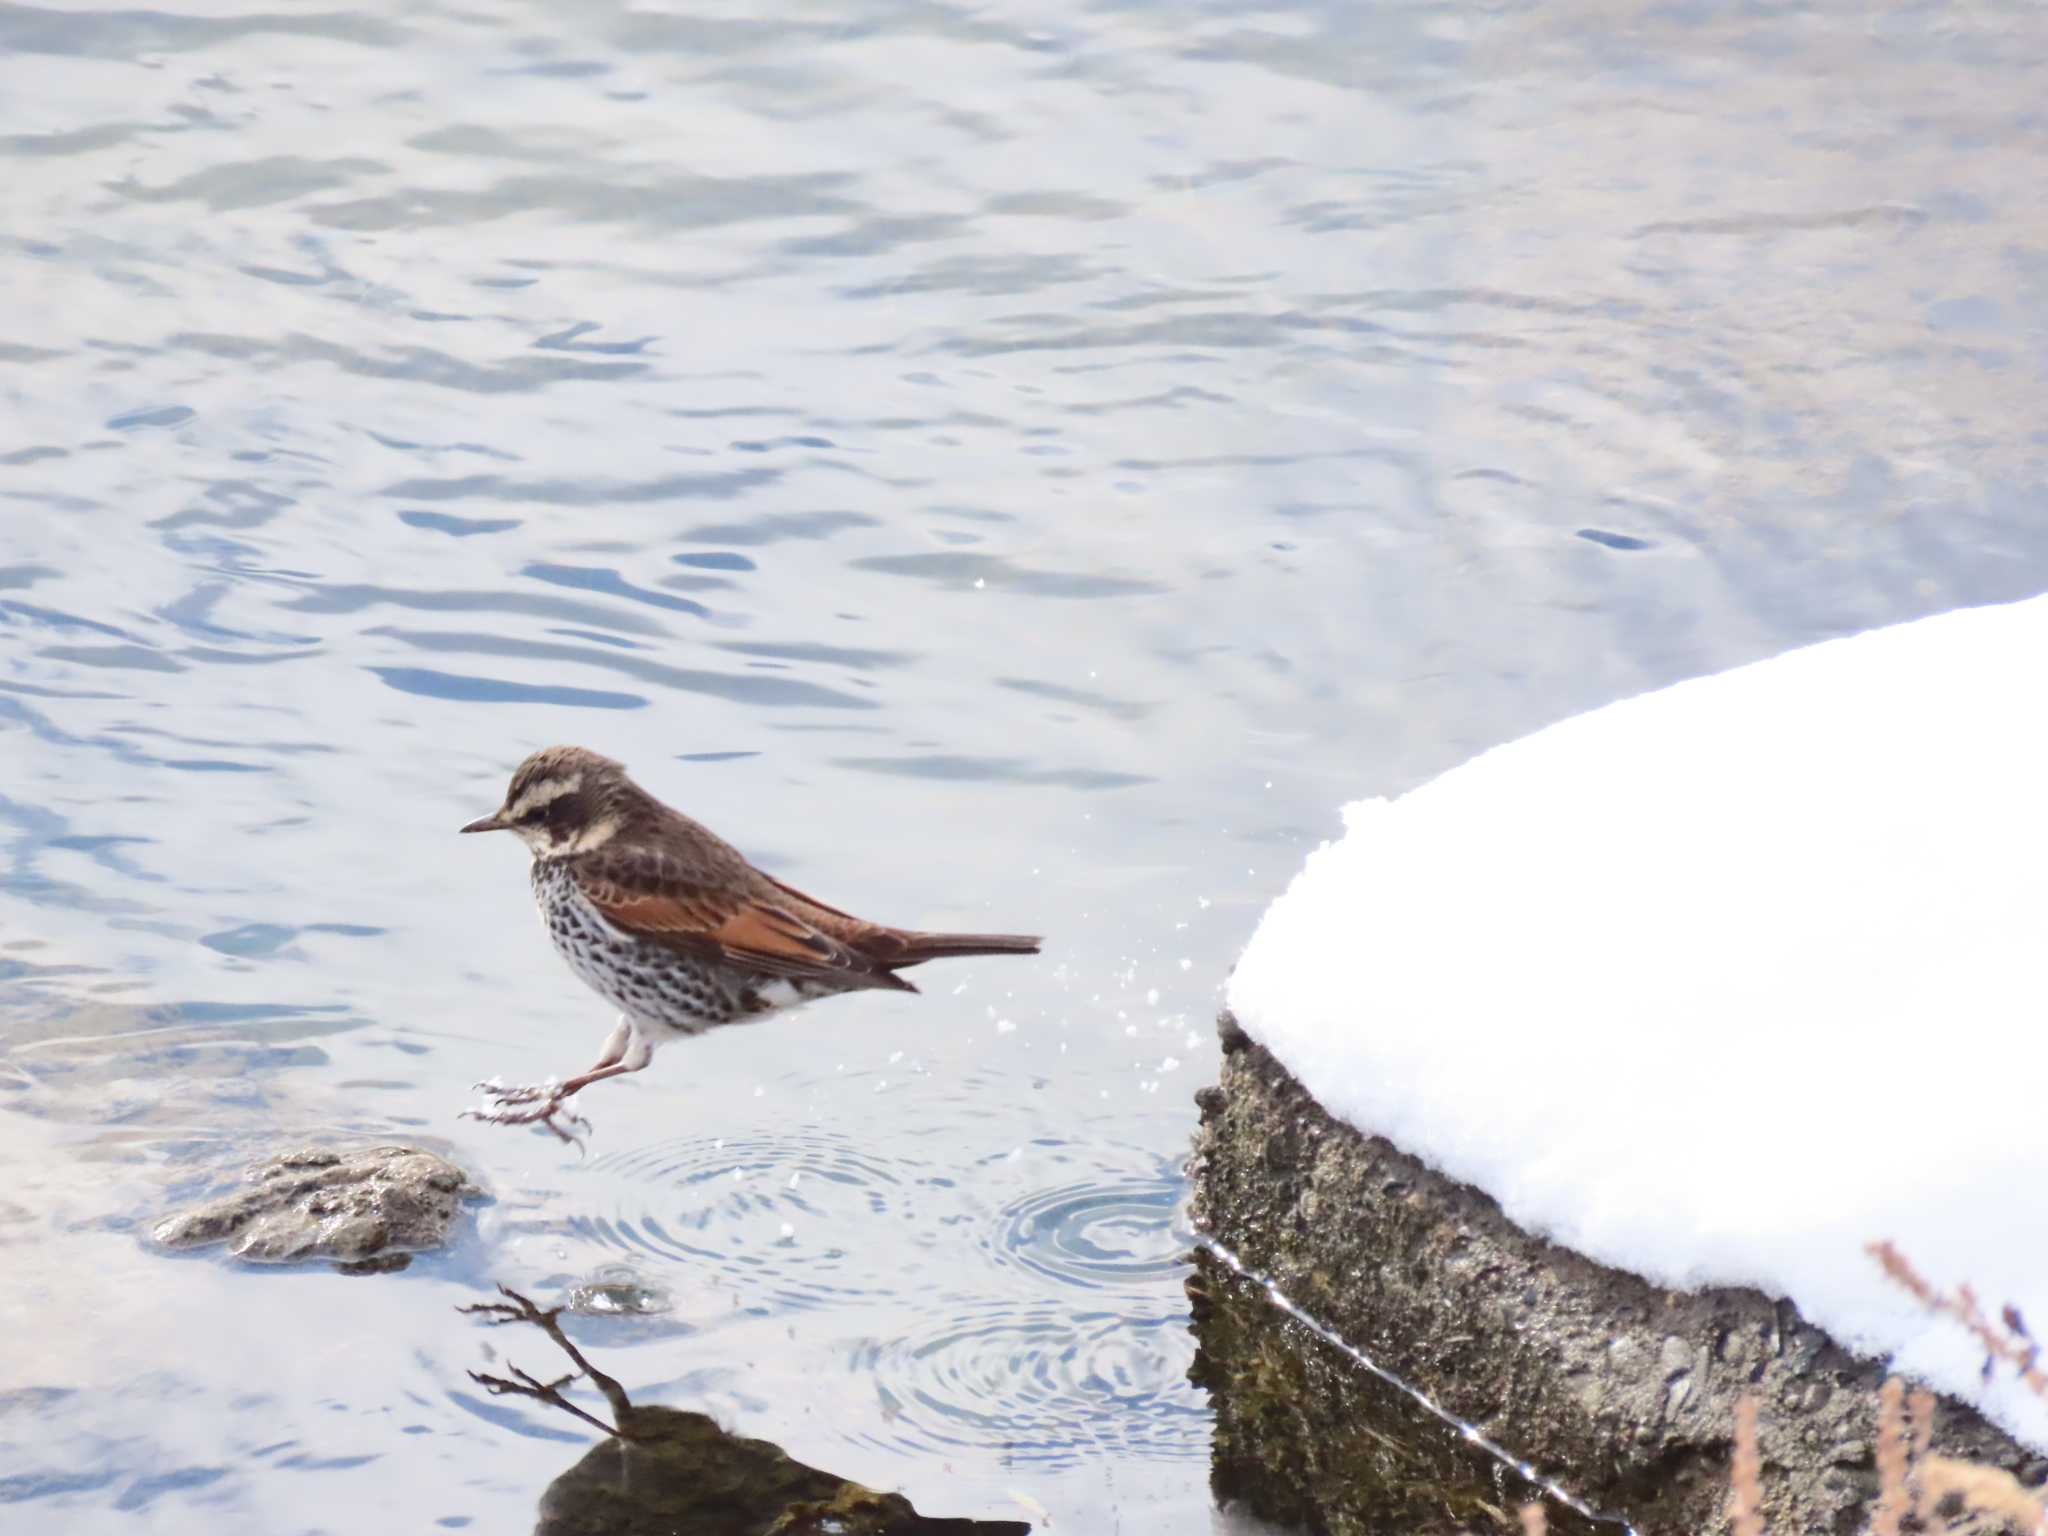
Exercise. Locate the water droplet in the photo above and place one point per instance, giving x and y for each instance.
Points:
(616, 1291)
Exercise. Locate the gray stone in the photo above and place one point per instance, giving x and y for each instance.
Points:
(669, 1471)
(368, 1209)
(663, 1471)
(1622, 1390)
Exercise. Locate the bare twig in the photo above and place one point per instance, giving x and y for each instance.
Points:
(549, 1392)
(517, 1309)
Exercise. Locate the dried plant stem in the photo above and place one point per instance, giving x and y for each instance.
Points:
(1746, 1475)
(1920, 1437)
(1991, 1496)
(1894, 1497)
(2008, 1343)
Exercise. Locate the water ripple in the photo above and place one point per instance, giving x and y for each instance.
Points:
(747, 688)
(1068, 1345)
(1010, 770)
(971, 570)
(790, 1221)
(584, 491)
(1101, 1236)
(1042, 1384)
(774, 527)
(462, 688)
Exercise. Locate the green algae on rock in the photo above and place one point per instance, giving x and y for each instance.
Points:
(1307, 1439)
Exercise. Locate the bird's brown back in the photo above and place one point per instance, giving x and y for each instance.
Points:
(673, 880)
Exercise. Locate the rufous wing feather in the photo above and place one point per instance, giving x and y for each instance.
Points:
(749, 932)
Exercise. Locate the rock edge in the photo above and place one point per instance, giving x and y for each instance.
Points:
(368, 1209)
(1624, 1390)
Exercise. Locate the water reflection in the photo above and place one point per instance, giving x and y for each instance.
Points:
(665, 1472)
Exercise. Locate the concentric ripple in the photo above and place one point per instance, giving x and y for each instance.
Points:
(1040, 1384)
(1110, 1235)
(1027, 1303)
(790, 1221)
(1088, 1356)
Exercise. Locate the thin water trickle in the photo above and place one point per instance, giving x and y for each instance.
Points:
(999, 476)
(1534, 1480)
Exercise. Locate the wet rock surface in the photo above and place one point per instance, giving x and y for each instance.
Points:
(368, 1210)
(670, 1471)
(667, 1472)
(1623, 1391)
(1307, 1439)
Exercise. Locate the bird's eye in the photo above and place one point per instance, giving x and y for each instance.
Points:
(548, 811)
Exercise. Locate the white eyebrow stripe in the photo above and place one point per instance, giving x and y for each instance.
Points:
(596, 835)
(543, 793)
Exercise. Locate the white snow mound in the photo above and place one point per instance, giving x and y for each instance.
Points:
(1721, 983)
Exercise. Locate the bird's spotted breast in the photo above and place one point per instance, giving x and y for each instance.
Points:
(648, 981)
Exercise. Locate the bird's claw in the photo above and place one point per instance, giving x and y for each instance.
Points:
(529, 1104)
(519, 1093)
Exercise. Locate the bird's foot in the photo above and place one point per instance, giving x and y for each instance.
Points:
(529, 1104)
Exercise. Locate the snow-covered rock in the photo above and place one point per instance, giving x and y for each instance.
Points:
(1719, 984)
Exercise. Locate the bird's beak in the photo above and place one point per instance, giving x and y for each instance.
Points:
(494, 822)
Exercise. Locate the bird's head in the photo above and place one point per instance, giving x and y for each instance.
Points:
(562, 801)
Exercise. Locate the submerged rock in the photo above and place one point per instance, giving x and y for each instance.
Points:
(1623, 1391)
(668, 1472)
(368, 1210)
(619, 1290)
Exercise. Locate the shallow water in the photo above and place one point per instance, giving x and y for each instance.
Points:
(1002, 472)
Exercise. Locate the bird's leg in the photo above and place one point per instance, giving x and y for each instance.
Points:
(615, 1045)
(621, 1056)
(539, 1103)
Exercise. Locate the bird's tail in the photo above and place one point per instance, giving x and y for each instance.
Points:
(919, 947)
